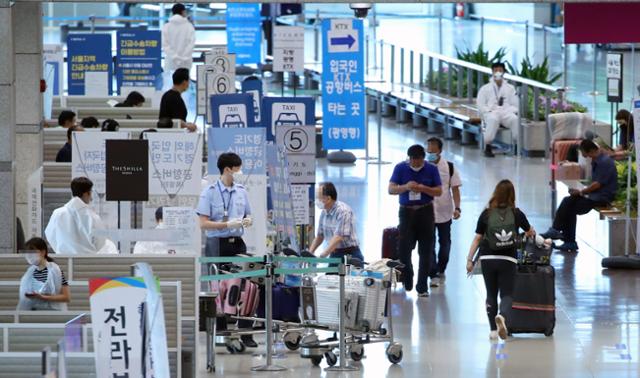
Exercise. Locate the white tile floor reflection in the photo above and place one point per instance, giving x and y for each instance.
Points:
(446, 335)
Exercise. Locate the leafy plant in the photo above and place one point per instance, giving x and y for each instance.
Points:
(621, 196)
(539, 72)
(480, 56)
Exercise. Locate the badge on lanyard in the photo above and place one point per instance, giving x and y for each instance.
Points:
(225, 217)
(414, 196)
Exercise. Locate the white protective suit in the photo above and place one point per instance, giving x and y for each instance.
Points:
(53, 286)
(494, 115)
(71, 230)
(178, 40)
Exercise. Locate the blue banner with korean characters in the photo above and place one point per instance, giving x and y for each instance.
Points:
(343, 96)
(139, 58)
(244, 32)
(89, 64)
(248, 143)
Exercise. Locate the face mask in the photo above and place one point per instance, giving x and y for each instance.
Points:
(498, 75)
(319, 204)
(239, 172)
(622, 123)
(432, 158)
(32, 258)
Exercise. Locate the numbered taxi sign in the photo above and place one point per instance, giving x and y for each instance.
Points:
(299, 143)
(287, 111)
(232, 110)
(218, 83)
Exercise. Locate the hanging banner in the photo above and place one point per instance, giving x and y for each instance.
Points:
(127, 170)
(287, 111)
(34, 204)
(89, 54)
(288, 49)
(343, 105)
(614, 77)
(175, 164)
(117, 325)
(244, 32)
(53, 54)
(139, 58)
(232, 111)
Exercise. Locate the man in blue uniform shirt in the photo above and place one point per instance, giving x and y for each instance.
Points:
(225, 212)
(416, 183)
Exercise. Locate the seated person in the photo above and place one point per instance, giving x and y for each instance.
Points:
(64, 155)
(498, 105)
(43, 286)
(579, 202)
(90, 123)
(66, 119)
(134, 100)
(110, 125)
(71, 228)
(625, 134)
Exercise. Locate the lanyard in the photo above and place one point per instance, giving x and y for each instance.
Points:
(225, 205)
(496, 92)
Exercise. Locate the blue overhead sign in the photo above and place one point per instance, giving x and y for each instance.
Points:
(244, 32)
(88, 53)
(232, 110)
(139, 54)
(343, 97)
(287, 111)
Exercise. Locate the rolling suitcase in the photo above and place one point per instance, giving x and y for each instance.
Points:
(390, 243)
(241, 297)
(286, 303)
(534, 299)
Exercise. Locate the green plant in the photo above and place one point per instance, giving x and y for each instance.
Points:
(621, 196)
(539, 72)
(480, 56)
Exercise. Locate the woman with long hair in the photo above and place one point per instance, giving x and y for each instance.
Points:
(497, 238)
(43, 286)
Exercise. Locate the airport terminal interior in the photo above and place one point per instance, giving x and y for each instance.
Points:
(234, 147)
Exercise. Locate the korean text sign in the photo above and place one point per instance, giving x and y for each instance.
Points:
(343, 96)
(139, 54)
(243, 32)
(175, 164)
(248, 143)
(88, 53)
(116, 316)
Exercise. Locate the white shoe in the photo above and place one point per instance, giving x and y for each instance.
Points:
(493, 335)
(434, 282)
(502, 327)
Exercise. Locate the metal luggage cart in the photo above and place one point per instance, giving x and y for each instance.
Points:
(355, 339)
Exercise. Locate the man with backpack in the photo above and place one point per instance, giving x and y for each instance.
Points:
(445, 207)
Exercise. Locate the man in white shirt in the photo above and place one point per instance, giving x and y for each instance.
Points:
(445, 207)
(71, 228)
(178, 40)
(498, 105)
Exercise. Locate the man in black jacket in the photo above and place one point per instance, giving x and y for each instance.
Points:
(64, 154)
(172, 105)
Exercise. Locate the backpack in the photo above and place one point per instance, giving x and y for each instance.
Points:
(501, 233)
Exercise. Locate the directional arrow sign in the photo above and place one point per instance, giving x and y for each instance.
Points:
(345, 40)
(348, 40)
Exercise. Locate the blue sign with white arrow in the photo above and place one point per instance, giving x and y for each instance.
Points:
(343, 96)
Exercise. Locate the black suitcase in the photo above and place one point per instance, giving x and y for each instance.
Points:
(534, 300)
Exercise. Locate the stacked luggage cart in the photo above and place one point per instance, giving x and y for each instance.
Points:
(352, 303)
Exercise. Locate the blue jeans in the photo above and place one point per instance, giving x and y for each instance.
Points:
(357, 254)
(439, 264)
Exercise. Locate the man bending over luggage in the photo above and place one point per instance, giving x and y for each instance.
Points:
(225, 212)
(604, 184)
(337, 225)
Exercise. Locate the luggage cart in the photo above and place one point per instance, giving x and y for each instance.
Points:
(315, 349)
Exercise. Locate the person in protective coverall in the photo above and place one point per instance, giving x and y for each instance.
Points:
(178, 40)
(72, 227)
(498, 105)
(43, 286)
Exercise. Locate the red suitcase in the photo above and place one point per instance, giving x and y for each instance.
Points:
(560, 150)
(390, 243)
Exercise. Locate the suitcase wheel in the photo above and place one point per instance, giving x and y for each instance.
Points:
(548, 332)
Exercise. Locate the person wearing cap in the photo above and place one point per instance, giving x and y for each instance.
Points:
(178, 40)
(498, 105)
(416, 184)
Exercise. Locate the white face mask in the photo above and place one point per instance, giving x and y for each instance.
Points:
(32, 258)
(498, 75)
(319, 204)
(239, 172)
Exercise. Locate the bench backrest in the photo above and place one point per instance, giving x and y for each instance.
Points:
(108, 112)
(28, 365)
(88, 101)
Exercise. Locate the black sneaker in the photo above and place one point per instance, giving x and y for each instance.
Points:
(408, 285)
(488, 151)
(248, 341)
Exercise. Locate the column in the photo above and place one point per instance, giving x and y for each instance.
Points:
(7, 131)
(27, 40)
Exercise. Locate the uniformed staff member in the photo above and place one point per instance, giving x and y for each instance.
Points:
(225, 212)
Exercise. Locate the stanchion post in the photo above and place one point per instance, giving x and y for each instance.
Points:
(526, 39)
(341, 326)
(268, 286)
